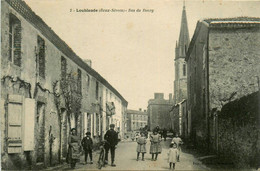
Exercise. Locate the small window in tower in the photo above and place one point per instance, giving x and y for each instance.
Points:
(184, 69)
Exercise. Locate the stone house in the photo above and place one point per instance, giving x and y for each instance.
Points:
(46, 89)
(136, 119)
(159, 111)
(223, 65)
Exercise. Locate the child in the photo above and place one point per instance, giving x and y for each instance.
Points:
(87, 145)
(172, 155)
(155, 147)
(141, 142)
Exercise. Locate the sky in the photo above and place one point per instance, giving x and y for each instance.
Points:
(133, 51)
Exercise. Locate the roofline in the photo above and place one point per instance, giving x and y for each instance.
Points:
(136, 112)
(224, 24)
(193, 40)
(40, 25)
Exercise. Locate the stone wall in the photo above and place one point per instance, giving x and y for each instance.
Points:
(197, 85)
(239, 132)
(233, 64)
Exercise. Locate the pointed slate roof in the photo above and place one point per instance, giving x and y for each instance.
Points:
(184, 38)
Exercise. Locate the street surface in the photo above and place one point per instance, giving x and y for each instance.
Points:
(126, 160)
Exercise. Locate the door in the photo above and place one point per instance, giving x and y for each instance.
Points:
(40, 135)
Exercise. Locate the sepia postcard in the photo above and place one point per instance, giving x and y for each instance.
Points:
(130, 84)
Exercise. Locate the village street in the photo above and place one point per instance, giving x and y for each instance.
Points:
(126, 160)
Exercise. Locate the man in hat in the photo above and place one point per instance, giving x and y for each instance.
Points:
(111, 138)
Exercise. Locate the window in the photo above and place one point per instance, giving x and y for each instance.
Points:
(97, 124)
(96, 90)
(14, 40)
(106, 94)
(184, 69)
(41, 55)
(79, 81)
(63, 68)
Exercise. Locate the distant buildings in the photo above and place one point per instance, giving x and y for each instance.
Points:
(223, 65)
(159, 111)
(46, 90)
(136, 119)
(180, 121)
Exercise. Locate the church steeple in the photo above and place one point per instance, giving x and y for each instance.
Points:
(180, 80)
(184, 38)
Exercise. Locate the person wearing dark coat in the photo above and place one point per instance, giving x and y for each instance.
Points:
(87, 145)
(164, 133)
(111, 138)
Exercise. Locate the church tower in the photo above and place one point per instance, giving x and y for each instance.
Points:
(180, 82)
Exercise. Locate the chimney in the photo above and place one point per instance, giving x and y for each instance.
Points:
(158, 96)
(140, 109)
(88, 62)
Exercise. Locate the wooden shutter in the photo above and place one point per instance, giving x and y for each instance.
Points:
(14, 129)
(29, 113)
(95, 123)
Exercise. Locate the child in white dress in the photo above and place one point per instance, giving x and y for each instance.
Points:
(172, 155)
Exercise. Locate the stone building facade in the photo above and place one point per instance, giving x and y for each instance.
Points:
(46, 89)
(136, 119)
(159, 111)
(223, 65)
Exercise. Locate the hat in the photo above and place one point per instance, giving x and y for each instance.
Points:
(112, 125)
(73, 129)
(88, 133)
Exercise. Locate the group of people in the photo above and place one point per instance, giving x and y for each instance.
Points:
(75, 146)
(111, 141)
(155, 147)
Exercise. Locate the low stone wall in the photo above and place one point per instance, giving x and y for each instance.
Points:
(239, 132)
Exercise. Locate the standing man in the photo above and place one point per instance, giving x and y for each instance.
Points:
(177, 140)
(111, 138)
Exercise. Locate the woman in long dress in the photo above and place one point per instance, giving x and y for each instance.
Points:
(155, 147)
(74, 148)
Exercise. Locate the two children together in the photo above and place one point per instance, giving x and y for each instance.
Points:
(172, 153)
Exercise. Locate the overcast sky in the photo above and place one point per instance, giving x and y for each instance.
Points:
(133, 51)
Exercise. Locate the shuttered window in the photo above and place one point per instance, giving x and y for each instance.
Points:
(14, 129)
(14, 40)
(41, 56)
(20, 119)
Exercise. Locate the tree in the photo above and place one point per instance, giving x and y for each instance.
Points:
(70, 92)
